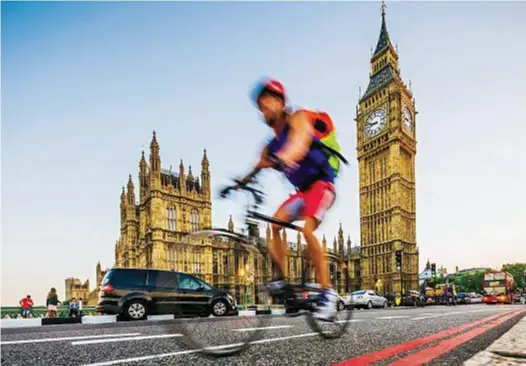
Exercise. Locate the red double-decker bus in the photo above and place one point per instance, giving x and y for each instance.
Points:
(498, 287)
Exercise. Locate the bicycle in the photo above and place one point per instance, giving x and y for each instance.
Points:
(252, 243)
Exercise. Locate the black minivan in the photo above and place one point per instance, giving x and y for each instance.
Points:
(136, 293)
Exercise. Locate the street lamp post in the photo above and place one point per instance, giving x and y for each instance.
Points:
(243, 273)
(247, 278)
(246, 293)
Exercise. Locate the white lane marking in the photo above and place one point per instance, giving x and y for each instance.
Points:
(69, 338)
(262, 328)
(162, 355)
(436, 315)
(350, 321)
(112, 340)
(427, 317)
(393, 317)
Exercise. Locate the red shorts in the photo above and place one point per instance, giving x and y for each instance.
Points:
(314, 202)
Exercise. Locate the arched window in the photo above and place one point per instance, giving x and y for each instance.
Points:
(194, 220)
(171, 218)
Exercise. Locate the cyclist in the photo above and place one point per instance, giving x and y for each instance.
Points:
(306, 166)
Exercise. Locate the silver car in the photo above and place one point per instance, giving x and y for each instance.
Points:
(475, 298)
(367, 299)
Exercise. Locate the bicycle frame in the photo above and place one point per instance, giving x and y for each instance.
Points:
(253, 214)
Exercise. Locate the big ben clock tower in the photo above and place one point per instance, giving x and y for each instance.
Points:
(385, 121)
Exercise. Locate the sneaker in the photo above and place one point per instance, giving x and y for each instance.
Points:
(326, 311)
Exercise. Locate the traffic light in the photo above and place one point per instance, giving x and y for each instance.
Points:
(398, 255)
(433, 269)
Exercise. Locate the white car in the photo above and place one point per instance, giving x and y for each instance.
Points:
(475, 298)
(367, 299)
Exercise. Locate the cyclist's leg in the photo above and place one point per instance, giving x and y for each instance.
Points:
(278, 249)
(318, 199)
(288, 212)
(316, 251)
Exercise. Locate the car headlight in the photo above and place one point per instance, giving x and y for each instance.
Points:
(230, 298)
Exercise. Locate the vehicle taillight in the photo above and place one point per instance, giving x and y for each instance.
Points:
(107, 288)
(359, 297)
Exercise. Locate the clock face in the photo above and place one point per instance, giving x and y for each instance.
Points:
(408, 119)
(375, 123)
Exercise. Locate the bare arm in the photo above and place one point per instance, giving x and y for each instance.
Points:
(300, 138)
(263, 163)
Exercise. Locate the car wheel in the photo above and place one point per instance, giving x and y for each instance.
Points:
(341, 305)
(385, 304)
(136, 310)
(219, 308)
(369, 305)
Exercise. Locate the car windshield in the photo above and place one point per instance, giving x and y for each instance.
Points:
(204, 284)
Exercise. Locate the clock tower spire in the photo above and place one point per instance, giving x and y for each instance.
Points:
(386, 148)
(384, 60)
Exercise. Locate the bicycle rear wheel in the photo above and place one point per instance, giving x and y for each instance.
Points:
(345, 310)
(220, 334)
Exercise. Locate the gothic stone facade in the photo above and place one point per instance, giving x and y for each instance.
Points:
(76, 289)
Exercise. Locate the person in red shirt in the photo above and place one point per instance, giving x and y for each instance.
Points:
(26, 304)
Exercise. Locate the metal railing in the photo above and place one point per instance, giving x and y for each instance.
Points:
(38, 311)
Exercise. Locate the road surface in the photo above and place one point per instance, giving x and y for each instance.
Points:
(441, 335)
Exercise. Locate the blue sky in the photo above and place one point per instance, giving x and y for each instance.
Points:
(84, 85)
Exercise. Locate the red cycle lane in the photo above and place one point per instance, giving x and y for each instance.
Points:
(386, 353)
(428, 354)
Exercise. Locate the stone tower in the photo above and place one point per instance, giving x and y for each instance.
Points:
(385, 122)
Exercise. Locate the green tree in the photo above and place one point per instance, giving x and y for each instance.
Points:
(517, 270)
(470, 282)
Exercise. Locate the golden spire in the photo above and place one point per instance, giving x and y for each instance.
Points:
(230, 224)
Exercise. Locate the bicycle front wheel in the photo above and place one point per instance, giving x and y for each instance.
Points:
(223, 328)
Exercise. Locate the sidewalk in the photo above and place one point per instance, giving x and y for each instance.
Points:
(509, 349)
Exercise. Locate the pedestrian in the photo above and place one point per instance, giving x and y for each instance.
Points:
(80, 307)
(26, 304)
(52, 303)
(73, 308)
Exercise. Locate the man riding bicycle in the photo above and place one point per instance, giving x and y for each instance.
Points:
(295, 152)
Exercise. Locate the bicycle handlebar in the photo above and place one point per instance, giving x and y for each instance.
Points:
(256, 193)
(240, 185)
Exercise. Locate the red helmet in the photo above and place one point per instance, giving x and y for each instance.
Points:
(270, 85)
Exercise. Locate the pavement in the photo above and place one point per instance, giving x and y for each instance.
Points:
(435, 335)
(510, 349)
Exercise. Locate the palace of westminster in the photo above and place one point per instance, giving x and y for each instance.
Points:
(154, 228)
